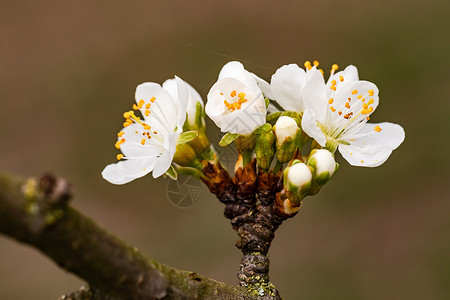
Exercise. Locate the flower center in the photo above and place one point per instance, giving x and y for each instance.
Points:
(343, 122)
(235, 100)
(143, 132)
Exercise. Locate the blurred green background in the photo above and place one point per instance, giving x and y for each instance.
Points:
(69, 69)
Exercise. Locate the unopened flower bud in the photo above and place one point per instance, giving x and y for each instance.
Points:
(184, 155)
(285, 127)
(264, 149)
(297, 180)
(288, 134)
(324, 165)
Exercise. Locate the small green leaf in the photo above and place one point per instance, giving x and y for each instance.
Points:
(273, 116)
(228, 139)
(187, 137)
(267, 101)
(263, 129)
(172, 173)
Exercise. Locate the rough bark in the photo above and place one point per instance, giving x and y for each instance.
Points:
(250, 205)
(36, 212)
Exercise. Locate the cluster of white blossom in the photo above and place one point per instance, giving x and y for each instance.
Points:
(334, 113)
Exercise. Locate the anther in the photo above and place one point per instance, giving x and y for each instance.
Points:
(120, 133)
(341, 78)
(308, 65)
(354, 92)
(143, 142)
(147, 106)
(152, 99)
(316, 63)
(331, 101)
(119, 156)
(370, 92)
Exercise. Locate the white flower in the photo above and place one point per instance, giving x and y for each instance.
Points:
(235, 102)
(149, 144)
(336, 115)
(170, 85)
(287, 87)
(285, 127)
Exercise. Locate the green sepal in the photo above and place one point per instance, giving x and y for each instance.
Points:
(190, 171)
(263, 129)
(267, 101)
(172, 173)
(273, 117)
(228, 138)
(199, 116)
(187, 136)
(264, 149)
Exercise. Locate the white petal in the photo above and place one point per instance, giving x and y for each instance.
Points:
(127, 170)
(163, 162)
(315, 93)
(264, 86)
(183, 98)
(374, 149)
(311, 128)
(165, 107)
(349, 74)
(391, 135)
(235, 69)
(366, 156)
(287, 87)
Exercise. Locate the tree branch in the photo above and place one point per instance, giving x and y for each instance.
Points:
(36, 212)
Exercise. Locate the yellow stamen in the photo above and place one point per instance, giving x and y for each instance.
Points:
(135, 107)
(321, 71)
(330, 101)
(147, 113)
(233, 93)
(152, 99)
(119, 142)
(316, 63)
(354, 92)
(341, 78)
(147, 106)
(120, 133)
(141, 103)
(359, 96)
(119, 156)
(332, 109)
(146, 127)
(347, 105)
(143, 142)
(370, 92)
(308, 65)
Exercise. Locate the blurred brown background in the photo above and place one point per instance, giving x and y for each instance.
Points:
(68, 70)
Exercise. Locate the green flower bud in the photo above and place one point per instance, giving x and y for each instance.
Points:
(323, 163)
(184, 155)
(297, 180)
(288, 135)
(246, 143)
(264, 149)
